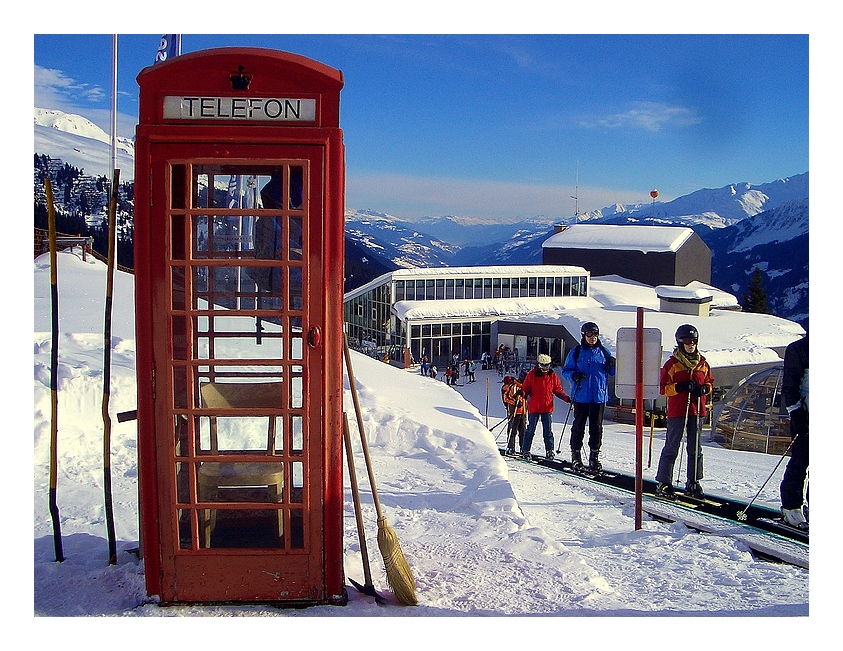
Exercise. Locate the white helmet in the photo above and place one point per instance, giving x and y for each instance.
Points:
(544, 360)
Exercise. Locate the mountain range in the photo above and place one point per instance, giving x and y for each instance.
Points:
(746, 226)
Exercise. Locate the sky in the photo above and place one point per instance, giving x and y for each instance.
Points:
(511, 125)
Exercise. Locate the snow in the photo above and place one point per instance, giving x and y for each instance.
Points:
(484, 536)
(621, 238)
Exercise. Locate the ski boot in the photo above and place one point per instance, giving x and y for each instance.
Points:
(549, 455)
(665, 491)
(526, 455)
(794, 518)
(693, 489)
(576, 460)
(510, 452)
(594, 464)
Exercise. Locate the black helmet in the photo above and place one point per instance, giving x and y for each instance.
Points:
(589, 326)
(686, 331)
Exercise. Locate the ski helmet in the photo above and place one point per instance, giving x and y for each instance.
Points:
(544, 361)
(686, 331)
(589, 326)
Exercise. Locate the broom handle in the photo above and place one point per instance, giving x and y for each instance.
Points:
(355, 492)
(359, 417)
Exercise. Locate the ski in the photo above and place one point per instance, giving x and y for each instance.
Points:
(585, 471)
(780, 525)
(700, 500)
(679, 500)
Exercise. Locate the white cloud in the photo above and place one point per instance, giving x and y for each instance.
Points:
(649, 116)
(54, 89)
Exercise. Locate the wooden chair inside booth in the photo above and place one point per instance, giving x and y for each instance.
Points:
(212, 476)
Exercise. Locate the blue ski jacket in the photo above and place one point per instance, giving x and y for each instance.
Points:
(594, 363)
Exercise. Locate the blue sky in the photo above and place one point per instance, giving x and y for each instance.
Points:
(501, 126)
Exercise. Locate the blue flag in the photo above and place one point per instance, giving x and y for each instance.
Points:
(170, 47)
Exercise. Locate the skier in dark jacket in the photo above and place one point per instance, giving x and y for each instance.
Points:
(795, 400)
(588, 367)
(686, 380)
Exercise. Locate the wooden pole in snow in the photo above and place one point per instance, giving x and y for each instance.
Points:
(54, 364)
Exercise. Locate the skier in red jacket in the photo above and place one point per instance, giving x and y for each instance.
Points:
(540, 385)
(686, 380)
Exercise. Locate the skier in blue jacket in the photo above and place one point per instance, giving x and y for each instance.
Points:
(588, 367)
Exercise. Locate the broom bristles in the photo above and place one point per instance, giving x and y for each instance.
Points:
(398, 572)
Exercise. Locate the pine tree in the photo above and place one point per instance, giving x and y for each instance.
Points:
(755, 300)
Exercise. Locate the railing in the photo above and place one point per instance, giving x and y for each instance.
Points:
(42, 245)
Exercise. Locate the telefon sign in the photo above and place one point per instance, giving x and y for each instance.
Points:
(258, 109)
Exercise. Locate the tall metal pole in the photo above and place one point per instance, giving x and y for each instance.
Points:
(639, 415)
(114, 119)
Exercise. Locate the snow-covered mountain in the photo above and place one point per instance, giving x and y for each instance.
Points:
(81, 143)
(397, 240)
(715, 208)
(776, 241)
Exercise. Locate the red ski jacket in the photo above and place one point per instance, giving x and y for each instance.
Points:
(675, 371)
(540, 389)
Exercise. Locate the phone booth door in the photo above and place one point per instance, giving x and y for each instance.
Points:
(238, 363)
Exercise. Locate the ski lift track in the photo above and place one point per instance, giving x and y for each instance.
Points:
(714, 515)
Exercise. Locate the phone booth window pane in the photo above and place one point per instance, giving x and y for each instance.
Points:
(177, 249)
(179, 338)
(296, 232)
(178, 179)
(297, 382)
(297, 483)
(296, 302)
(178, 289)
(296, 435)
(296, 187)
(180, 387)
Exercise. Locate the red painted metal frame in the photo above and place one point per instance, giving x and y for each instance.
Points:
(273, 73)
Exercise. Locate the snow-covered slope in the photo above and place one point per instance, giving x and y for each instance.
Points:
(81, 143)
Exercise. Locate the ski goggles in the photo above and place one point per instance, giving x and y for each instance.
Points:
(689, 341)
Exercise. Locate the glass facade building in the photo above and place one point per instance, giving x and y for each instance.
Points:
(447, 312)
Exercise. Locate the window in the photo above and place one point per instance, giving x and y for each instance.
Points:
(399, 290)
(449, 289)
(459, 289)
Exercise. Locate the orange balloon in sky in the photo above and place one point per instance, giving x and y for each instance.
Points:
(654, 193)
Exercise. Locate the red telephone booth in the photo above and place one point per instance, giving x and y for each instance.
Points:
(239, 182)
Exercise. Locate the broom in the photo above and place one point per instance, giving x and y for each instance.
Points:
(368, 588)
(398, 572)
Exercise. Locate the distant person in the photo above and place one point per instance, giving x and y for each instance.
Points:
(471, 369)
(588, 367)
(516, 412)
(540, 385)
(686, 380)
(795, 400)
(433, 371)
(424, 364)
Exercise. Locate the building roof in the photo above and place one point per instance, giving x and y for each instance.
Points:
(475, 272)
(647, 239)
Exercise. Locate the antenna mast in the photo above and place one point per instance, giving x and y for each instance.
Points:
(576, 194)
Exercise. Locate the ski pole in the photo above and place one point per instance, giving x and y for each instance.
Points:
(742, 514)
(682, 435)
(564, 425)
